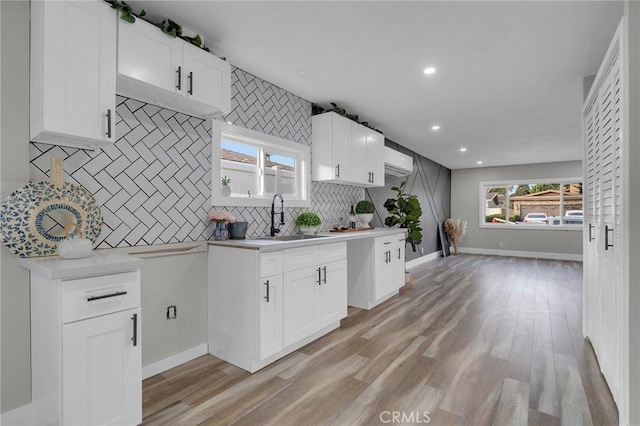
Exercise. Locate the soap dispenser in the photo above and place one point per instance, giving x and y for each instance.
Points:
(353, 219)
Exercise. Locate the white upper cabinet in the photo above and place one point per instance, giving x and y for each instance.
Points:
(73, 73)
(149, 55)
(207, 78)
(344, 151)
(359, 167)
(169, 72)
(375, 157)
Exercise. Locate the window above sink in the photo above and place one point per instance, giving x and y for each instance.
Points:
(258, 166)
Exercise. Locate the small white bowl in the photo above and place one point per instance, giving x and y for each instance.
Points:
(75, 248)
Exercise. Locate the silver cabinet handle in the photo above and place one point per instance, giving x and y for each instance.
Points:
(109, 123)
(398, 253)
(324, 269)
(319, 276)
(179, 72)
(106, 296)
(134, 318)
(590, 228)
(190, 82)
(337, 170)
(267, 296)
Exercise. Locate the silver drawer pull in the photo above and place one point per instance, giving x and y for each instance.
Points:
(106, 296)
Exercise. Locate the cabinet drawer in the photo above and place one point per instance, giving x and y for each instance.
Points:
(91, 297)
(270, 264)
(332, 252)
(302, 257)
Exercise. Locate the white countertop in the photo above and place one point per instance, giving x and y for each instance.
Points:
(99, 263)
(329, 237)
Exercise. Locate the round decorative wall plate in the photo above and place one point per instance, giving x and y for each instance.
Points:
(33, 218)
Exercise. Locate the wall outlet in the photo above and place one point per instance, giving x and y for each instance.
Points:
(501, 244)
(172, 312)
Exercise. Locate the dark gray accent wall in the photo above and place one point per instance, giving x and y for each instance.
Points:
(431, 183)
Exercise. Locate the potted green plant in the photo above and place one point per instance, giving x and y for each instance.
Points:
(308, 222)
(365, 210)
(405, 211)
(225, 188)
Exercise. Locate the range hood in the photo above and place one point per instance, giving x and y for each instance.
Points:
(397, 163)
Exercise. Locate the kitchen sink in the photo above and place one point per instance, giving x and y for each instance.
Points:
(292, 237)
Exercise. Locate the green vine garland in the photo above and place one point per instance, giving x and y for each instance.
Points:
(317, 109)
(167, 26)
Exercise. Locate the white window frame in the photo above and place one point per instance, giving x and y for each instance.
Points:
(262, 141)
(514, 182)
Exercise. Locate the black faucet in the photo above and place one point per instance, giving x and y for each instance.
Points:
(275, 230)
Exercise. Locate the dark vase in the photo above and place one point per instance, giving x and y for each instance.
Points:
(238, 230)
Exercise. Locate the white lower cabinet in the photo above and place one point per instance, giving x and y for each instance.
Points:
(101, 378)
(331, 298)
(300, 295)
(381, 273)
(86, 346)
(299, 309)
(271, 314)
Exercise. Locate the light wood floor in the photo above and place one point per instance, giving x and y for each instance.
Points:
(477, 340)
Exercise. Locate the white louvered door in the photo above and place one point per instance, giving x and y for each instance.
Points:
(591, 213)
(604, 239)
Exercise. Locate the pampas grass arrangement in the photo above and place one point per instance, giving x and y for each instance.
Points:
(455, 229)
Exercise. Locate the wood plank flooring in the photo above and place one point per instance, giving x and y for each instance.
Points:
(477, 340)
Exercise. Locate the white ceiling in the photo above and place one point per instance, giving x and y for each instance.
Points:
(508, 84)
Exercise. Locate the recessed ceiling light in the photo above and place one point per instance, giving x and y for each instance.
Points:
(230, 122)
(436, 127)
(479, 162)
(463, 149)
(429, 70)
(302, 73)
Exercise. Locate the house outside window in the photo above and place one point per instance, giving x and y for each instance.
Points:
(548, 204)
(258, 166)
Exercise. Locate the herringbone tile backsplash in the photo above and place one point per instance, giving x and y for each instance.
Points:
(154, 183)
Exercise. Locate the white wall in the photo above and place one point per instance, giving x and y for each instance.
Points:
(14, 48)
(465, 205)
(632, 10)
(179, 280)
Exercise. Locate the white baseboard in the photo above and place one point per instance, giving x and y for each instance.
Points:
(174, 360)
(531, 254)
(423, 259)
(22, 416)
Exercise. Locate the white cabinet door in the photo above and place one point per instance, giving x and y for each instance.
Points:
(383, 253)
(299, 304)
(331, 299)
(360, 169)
(101, 379)
(150, 56)
(342, 149)
(398, 260)
(73, 73)
(270, 317)
(207, 78)
(331, 142)
(375, 159)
